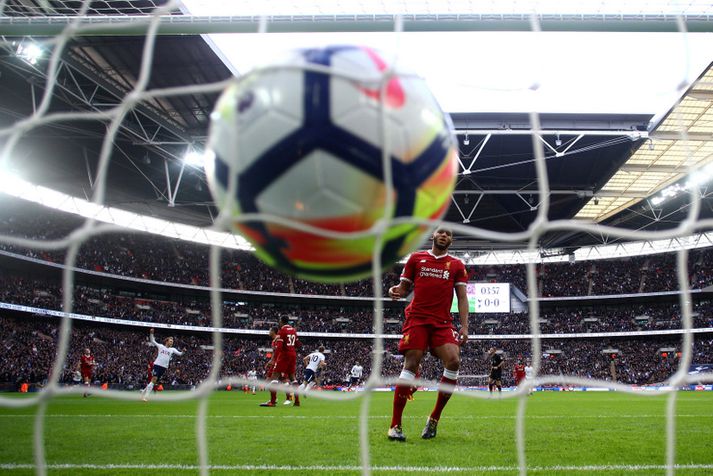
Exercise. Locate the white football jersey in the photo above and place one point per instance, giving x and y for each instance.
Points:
(252, 374)
(357, 371)
(529, 372)
(164, 354)
(315, 359)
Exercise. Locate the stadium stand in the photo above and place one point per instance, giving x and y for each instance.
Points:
(152, 257)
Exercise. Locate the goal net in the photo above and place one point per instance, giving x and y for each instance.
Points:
(46, 36)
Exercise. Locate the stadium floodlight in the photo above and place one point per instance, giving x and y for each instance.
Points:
(19, 188)
(703, 175)
(29, 51)
(658, 200)
(194, 158)
(695, 179)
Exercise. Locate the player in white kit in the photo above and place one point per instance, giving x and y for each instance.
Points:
(252, 376)
(355, 376)
(314, 362)
(165, 352)
(529, 374)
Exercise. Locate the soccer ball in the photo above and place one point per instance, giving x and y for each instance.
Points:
(303, 140)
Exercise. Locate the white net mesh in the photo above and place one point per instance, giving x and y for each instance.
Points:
(150, 17)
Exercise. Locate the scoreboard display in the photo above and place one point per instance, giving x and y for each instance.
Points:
(486, 298)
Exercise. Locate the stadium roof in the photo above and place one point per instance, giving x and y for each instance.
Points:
(589, 153)
(683, 141)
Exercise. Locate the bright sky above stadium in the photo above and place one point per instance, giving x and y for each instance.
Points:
(573, 72)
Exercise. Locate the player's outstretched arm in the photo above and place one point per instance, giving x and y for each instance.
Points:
(151, 338)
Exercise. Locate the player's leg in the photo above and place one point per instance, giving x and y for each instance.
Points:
(147, 390)
(305, 379)
(273, 392)
(285, 379)
(296, 396)
(274, 373)
(499, 384)
(412, 359)
(87, 380)
(414, 388)
(286, 368)
(149, 386)
(413, 345)
(449, 354)
(290, 373)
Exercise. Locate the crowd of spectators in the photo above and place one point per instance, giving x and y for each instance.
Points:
(123, 355)
(337, 317)
(609, 318)
(158, 258)
(29, 343)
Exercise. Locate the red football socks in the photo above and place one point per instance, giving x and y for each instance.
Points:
(400, 398)
(442, 399)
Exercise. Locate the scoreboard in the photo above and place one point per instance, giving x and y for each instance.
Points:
(486, 298)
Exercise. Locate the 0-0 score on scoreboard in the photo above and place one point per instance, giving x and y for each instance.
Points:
(486, 298)
(491, 297)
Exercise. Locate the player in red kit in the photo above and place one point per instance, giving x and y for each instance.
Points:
(518, 372)
(86, 367)
(276, 343)
(433, 275)
(286, 365)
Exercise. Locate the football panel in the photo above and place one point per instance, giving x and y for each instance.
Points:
(413, 115)
(435, 192)
(364, 122)
(254, 115)
(340, 260)
(323, 190)
(218, 174)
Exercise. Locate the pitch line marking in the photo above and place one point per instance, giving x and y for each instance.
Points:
(432, 469)
(347, 417)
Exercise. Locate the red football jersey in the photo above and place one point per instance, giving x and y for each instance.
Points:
(519, 371)
(288, 334)
(276, 347)
(434, 279)
(87, 363)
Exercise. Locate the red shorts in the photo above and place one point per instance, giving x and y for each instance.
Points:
(286, 364)
(86, 374)
(425, 336)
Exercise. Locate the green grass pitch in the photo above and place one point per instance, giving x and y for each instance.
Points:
(566, 433)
